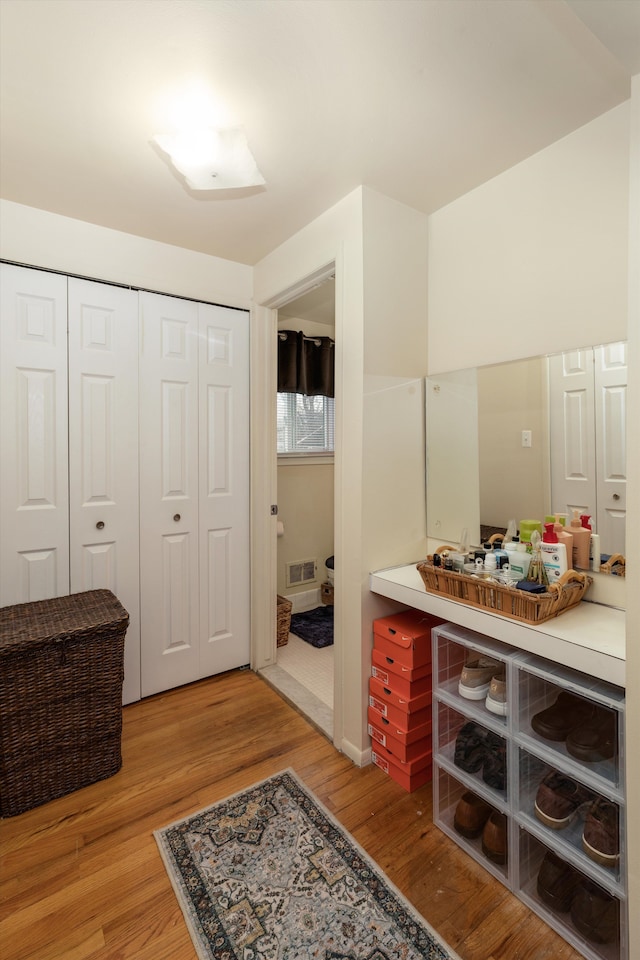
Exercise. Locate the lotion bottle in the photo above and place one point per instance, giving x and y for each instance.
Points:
(519, 561)
(581, 543)
(554, 553)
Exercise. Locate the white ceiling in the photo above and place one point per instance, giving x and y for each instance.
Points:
(419, 99)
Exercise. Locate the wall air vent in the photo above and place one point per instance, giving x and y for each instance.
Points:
(301, 571)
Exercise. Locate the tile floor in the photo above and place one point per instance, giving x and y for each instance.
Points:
(303, 675)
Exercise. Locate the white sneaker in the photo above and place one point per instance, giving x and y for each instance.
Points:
(475, 678)
(496, 700)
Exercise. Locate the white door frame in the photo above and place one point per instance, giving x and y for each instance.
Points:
(264, 484)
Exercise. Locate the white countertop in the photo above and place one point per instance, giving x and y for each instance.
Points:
(590, 637)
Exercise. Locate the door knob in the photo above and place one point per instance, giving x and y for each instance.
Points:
(100, 525)
(616, 496)
(176, 517)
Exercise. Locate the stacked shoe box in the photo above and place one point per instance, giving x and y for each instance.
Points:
(400, 696)
(529, 781)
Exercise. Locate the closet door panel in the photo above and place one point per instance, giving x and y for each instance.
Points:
(34, 518)
(168, 492)
(572, 432)
(224, 489)
(611, 426)
(103, 452)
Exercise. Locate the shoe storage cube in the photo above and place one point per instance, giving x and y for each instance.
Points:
(448, 791)
(586, 913)
(61, 673)
(574, 840)
(587, 844)
(572, 719)
(475, 752)
(453, 647)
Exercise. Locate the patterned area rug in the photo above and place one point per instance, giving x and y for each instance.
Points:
(268, 874)
(315, 626)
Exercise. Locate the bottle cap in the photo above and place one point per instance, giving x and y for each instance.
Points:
(549, 535)
(575, 519)
(585, 517)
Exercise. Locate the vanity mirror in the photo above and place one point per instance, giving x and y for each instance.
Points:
(529, 438)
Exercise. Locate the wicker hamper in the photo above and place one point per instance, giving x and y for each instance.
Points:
(283, 620)
(61, 673)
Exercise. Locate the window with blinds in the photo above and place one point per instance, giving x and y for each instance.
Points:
(305, 424)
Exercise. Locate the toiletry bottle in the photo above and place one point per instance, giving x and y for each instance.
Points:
(554, 553)
(526, 529)
(564, 536)
(581, 542)
(594, 543)
(519, 561)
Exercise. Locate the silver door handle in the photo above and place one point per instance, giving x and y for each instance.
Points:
(100, 525)
(616, 496)
(176, 517)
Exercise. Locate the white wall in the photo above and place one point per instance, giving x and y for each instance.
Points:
(378, 246)
(41, 239)
(535, 261)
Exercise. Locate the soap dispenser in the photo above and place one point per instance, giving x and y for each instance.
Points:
(581, 542)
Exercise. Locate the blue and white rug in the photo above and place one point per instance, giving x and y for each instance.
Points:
(269, 874)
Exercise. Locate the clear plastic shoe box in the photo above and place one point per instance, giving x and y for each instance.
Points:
(533, 685)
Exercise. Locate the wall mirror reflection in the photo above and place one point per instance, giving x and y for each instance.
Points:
(527, 439)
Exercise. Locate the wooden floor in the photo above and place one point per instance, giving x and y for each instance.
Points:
(81, 877)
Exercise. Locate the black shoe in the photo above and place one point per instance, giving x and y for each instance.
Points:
(471, 747)
(494, 772)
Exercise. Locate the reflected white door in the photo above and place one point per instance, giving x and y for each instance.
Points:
(611, 424)
(169, 589)
(103, 452)
(224, 489)
(572, 433)
(34, 515)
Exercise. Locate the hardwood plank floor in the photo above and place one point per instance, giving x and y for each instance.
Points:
(81, 877)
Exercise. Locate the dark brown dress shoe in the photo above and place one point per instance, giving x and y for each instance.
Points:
(555, 722)
(471, 815)
(557, 882)
(595, 914)
(494, 838)
(594, 739)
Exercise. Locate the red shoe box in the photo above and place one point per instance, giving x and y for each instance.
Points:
(405, 734)
(383, 707)
(406, 704)
(404, 751)
(405, 637)
(409, 775)
(407, 683)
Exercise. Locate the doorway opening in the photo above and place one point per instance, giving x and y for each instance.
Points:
(304, 669)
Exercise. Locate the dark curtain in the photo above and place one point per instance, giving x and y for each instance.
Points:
(305, 364)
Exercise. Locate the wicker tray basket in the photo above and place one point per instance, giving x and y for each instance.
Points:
(506, 600)
(61, 673)
(283, 621)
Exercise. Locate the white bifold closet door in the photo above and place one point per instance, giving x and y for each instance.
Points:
(194, 490)
(34, 482)
(103, 452)
(588, 415)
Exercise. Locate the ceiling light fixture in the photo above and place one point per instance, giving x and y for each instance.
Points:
(211, 159)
